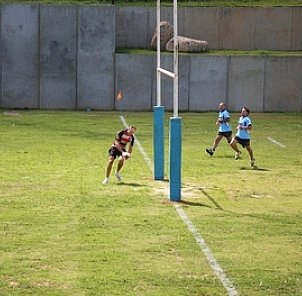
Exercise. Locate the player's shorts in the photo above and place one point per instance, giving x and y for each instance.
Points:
(227, 135)
(114, 152)
(243, 142)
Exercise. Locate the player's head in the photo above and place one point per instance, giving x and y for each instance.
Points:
(245, 111)
(222, 106)
(131, 129)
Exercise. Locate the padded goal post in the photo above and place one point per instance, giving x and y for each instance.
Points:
(175, 121)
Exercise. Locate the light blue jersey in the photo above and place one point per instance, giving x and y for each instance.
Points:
(243, 133)
(224, 126)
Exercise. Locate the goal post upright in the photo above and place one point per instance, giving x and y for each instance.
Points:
(175, 121)
(158, 113)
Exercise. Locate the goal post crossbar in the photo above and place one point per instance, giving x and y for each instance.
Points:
(166, 72)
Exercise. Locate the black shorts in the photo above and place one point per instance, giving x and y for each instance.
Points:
(243, 142)
(114, 152)
(227, 135)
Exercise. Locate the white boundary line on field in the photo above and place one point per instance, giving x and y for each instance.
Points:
(275, 142)
(226, 282)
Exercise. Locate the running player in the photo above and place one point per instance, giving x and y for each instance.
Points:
(121, 148)
(224, 130)
(243, 135)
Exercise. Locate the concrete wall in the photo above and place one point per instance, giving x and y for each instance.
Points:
(57, 56)
(64, 57)
(278, 28)
(20, 56)
(262, 83)
(95, 65)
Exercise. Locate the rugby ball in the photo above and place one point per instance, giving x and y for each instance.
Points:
(126, 155)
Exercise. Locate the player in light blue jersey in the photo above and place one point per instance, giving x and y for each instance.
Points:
(243, 135)
(224, 129)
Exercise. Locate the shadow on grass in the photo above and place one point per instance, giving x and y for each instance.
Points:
(222, 156)
(255, 168)
(194, 204)
(200, 204)
(219, 208)
(132, 184)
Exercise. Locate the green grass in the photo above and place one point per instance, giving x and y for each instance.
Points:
(64, 233)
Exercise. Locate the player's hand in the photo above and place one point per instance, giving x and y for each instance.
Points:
(126, 155)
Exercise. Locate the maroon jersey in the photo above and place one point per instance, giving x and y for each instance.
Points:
(122, 137)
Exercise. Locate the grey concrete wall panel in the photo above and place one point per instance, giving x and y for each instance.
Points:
(58, 57)
(283, 85)
(296, 36)
(133, 76)
(134, 29)
(200, 23)
(95, 61)
(20, 75)
(273, 28)
(245, 83)
(208, 82)
(183, 82)
(236, 27)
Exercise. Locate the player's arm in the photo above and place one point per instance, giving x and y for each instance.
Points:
(127, 154)
(118, 146)
(223, 120)
(245, 127)
(130, 145)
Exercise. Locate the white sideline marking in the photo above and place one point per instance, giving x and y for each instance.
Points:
(275, 142)
(226, 282)
(140, 147)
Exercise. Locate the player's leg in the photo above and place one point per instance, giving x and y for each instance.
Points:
(251, 153)
(108, 169)
(229, 138)
(109, 166)
(233, 144)
(120, 165)
(217, 141)
(113, 153)
(212, 150)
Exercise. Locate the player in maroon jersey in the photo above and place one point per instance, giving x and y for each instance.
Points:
(121, 148)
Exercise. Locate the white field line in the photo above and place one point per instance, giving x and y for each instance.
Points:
(226, 282)
(275, 142)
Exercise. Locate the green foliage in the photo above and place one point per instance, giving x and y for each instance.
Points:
(64, 233)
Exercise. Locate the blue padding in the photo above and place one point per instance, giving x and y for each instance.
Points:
(175, 158)
(158, 141)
